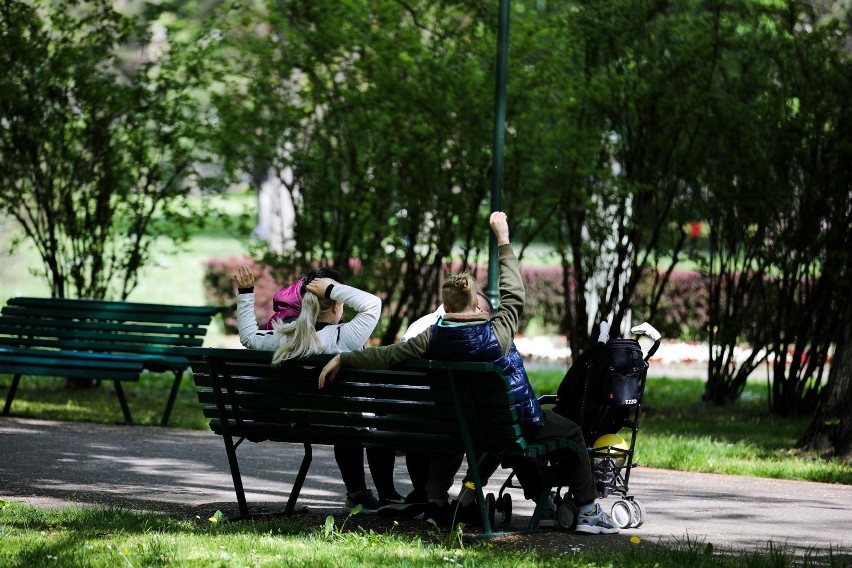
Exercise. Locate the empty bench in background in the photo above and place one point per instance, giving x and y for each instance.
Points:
(98, 339)
(422, 404)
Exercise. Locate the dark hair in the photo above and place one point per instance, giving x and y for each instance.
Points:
(320, 273)
(483, 300)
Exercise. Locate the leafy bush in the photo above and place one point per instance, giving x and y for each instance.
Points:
(682, 310)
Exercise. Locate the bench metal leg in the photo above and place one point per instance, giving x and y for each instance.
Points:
(13, 388)
(300, 480)
(231, 450)
(122, 400)
(540, 504)
(172, 396)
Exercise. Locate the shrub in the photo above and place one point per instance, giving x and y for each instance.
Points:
(682, 311)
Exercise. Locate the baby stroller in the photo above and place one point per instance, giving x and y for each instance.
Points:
(602, 393)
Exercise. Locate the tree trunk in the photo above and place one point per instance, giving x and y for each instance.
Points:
(830, 432)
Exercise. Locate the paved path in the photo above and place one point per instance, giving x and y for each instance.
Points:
(185, 473)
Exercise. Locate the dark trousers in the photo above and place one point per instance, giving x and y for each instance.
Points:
(350, 461)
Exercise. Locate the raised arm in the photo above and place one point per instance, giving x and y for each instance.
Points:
(354, 333)
(251, 336)
(512, 293)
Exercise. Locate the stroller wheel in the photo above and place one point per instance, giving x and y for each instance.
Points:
(491, 504)
(638, 513)
(622, 513)
(566, 515)
(504, 504)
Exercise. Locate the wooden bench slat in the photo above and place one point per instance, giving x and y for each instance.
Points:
(108, 315)
(395, 417)
(107, 335)
(262, 402)
(25, 362)
(116, 305)
(13, 323)
(102, 346)
(285, 391)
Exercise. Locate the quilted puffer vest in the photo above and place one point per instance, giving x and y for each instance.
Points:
(479, 343)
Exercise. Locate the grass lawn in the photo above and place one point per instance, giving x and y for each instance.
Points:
(94, 537)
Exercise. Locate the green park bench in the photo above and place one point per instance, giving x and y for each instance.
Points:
(425, 405)
(98, 339)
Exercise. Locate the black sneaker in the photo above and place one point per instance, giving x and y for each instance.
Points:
(468, 514)
(403, 508)
(369, 504)
(442, 513)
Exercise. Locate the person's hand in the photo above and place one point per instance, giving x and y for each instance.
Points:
(244, 277)
(500, 226)
(329, 371)
(319, 285)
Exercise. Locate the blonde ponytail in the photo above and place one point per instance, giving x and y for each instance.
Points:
(299, 338)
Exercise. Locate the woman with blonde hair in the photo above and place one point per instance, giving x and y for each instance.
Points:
(316, 328)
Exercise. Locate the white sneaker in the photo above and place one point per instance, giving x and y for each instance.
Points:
(596, 522)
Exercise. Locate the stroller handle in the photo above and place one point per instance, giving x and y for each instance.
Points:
(649, 330)
(652, 350)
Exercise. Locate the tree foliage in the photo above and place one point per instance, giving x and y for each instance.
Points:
(611, 140)
(774, 184)
(99, 131)
(387, 146)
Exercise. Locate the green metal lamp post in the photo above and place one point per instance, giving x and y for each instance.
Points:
(492, 288)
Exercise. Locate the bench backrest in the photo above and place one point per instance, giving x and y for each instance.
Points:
(102, 325)
(422, 404)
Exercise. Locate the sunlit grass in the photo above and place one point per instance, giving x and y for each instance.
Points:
(96, 537)
(47, 398)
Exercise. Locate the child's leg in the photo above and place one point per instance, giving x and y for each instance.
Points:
(486, 469)
(443, 467)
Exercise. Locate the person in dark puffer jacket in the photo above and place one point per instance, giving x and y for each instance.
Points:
(465, 333)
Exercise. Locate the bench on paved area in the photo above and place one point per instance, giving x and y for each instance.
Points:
(98, 339)
(423, 404)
